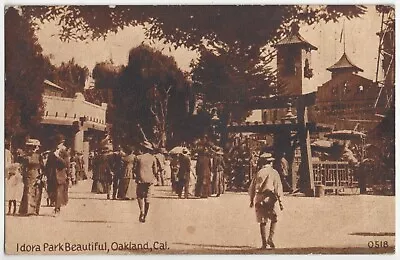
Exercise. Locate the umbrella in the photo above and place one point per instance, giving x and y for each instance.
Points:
(177, 149)
(346, 135)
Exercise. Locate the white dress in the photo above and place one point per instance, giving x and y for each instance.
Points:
(13, 178)
(167, 169)
(193, 177)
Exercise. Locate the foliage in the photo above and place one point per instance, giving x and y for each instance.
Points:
(106, 75)
(240, 27)
(151, 94)
(228, 84)
(72, 77)
(25, 71)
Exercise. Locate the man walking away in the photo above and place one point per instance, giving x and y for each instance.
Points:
(265, 190)
(184, 173)
(117, 169)
(145, 171)
(160, 159)
(281, 165)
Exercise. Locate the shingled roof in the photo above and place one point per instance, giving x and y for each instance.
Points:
(344, 63)
(294, 38)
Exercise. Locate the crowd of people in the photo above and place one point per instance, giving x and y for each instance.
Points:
(29, 172)
(130, 172)
(190, 174)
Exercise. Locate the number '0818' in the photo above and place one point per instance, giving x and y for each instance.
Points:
(378, 244)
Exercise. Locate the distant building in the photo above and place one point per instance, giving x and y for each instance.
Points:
(347, 99)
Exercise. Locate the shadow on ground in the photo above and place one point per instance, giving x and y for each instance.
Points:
(92, 221)
(373, 234)
(245, 250)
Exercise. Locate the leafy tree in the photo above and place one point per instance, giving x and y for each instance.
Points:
(150, 94)
(71, 76)
(242, 27)
(25, 71)
(227, 84)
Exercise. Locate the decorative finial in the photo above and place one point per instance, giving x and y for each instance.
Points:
(295, 28)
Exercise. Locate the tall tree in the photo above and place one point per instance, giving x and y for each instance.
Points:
(227, 84)
(25, 71)
(72, 77)
(152, 95)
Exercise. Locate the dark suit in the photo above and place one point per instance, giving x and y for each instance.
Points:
(58, 171)
(184, 175)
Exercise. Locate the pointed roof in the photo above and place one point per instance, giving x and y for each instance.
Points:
(344, 63)
(294, 38)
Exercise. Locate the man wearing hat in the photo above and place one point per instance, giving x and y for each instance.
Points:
(265, 190)
(58, 167)
(146, 167)
(184, 173)
(218, 167)
(160, 159)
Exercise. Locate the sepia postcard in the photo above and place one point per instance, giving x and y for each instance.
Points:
(199, 129)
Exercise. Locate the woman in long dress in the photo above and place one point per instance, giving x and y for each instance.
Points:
(203, 171)
(101, 173)
(218, 173)
(193, 177)
(95, 171)
(30, 173)
(127, 185)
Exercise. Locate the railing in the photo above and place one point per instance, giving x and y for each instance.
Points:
(334, 175)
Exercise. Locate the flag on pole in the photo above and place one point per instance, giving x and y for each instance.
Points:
(341, 34)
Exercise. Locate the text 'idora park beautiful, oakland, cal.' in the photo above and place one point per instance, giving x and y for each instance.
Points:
(92, 246)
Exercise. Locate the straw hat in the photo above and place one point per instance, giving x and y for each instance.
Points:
(59, 138)
(267, 157)
(219, 151)
(32, 142)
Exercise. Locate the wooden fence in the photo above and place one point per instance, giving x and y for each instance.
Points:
(334, 175)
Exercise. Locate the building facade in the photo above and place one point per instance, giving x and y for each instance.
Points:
(81, 122)
(346, 100)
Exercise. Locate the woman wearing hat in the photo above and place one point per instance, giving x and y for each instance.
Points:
(265, 190)
(203, 171)
(58, 172)
(30, 161)
(127, 185)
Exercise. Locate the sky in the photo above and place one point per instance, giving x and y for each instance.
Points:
(360, 34)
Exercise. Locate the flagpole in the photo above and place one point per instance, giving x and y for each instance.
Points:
(344, 35)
